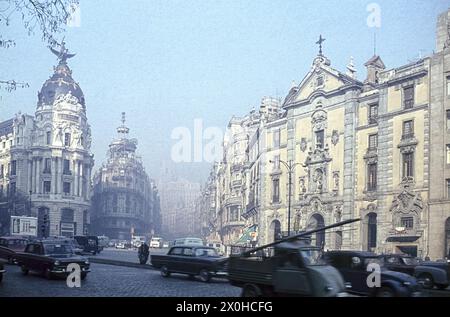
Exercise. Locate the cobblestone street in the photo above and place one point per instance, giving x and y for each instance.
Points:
(111, 281)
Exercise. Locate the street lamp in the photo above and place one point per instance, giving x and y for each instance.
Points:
(290, 166)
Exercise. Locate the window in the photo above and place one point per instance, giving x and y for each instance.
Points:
(373, 113)
(408, 97)
(47, 187)
(276, 162)
(448, 188)
(67, 167)
(67, 139)
(408, 129)
(48, 137)
(320, 138)
(408, 165)
(448, 85)
(13, 168)
(276, 191)
(48, 166)
(66, 188)
(4, 145)
(373, 141)
(276, 138)
(320, 81)
(372, 176)
(407, 222)
(448, 119)
(448, 153)
(12, 189)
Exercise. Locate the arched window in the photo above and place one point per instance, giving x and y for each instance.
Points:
(275, 228)
(318, 239)
(371, 231)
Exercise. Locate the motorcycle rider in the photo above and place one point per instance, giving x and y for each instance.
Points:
(144, 252)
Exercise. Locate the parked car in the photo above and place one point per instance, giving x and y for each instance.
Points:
(353, 267)
(2, 271)
(188, 241)
(120, 245)
(191, 260)
(10, 245)
(51, 258)
(428, 273)
(89, 244)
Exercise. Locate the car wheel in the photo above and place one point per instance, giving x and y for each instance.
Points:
(442, 286)
(204, 275)
(165, 271)
(426, 280)
(251, 290)
(385, 292)
(48, 275)
(24, 269)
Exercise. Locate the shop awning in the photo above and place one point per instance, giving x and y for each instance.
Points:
(249, 235)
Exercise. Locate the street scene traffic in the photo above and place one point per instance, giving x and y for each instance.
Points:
(232, 149)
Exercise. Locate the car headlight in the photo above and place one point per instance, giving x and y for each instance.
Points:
(406, 283)
(86, 262)
(57, 263)
(328, 288)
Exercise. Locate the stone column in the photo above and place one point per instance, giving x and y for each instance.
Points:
(82, 174)
(76, 178)
(59, 176)
(30, 176)
(38, 176)
(53, 189)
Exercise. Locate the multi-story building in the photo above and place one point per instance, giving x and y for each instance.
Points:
(46, 158)
(376, 149)
(179, 212)
(125, 200)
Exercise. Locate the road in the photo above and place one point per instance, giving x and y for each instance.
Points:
(113, 281)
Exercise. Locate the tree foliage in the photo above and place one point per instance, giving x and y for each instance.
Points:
(49, 17)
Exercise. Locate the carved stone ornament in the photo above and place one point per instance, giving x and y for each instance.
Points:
(407, 202)
(335, 137)
(319, 120)
(303, 145)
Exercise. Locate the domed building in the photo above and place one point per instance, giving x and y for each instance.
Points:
(125, 200)
(47, 158)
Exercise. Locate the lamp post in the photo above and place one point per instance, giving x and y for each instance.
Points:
(290, 166)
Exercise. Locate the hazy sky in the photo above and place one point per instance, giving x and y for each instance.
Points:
(166, 63)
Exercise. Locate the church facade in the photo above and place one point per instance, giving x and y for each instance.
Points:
(376, 149)
(46, 158)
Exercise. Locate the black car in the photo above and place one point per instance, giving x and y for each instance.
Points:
(88, 243)
(353, 265)
(50, 257)
(2, 271)
(400, 263)
(191, 260)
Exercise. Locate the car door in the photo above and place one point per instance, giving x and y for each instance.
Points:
(174, 259)
(291, 276)
(188, 262)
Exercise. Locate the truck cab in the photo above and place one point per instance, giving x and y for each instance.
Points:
(292, 268)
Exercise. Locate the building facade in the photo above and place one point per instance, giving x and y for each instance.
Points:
(125, 200)
(376, 149)
(179, 207)
(46, 158)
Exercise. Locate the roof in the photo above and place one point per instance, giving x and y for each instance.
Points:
(6, 127)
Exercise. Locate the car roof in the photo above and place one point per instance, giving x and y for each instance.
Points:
(354, 253)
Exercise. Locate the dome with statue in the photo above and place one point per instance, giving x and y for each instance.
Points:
(61, 84)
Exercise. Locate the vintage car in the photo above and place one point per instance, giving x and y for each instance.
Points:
(191, 260)
(10, 245)
(2, 271)
(51, 258)
(353, 265)
(428, 273)
(89, 244)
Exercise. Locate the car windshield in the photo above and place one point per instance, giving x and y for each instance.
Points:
(410, 261)
(57, 249)
(312, 257)
(205, 252)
